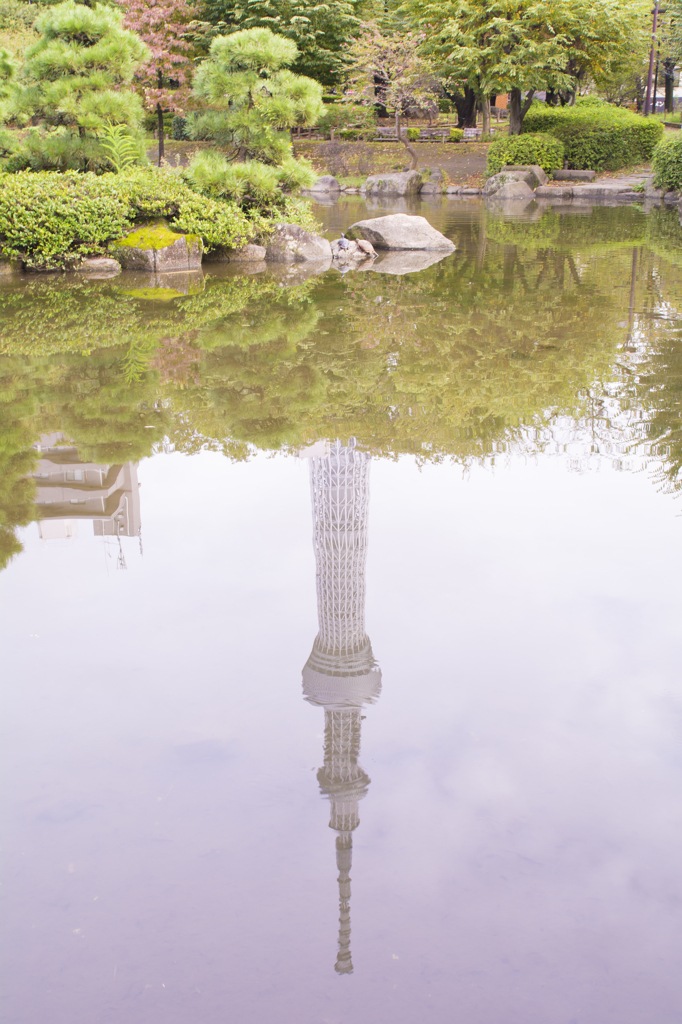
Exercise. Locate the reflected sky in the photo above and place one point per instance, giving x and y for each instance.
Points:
(171, 774)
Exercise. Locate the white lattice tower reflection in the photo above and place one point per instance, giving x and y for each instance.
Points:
(341, 674)
(340, 495)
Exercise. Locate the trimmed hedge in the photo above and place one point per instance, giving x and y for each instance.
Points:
(595, 137)
(542, 149)
(667, 162)
(52, 221)
(456, 134)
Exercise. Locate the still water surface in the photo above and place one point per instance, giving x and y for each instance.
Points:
(397, 554)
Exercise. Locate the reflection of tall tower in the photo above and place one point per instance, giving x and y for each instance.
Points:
(69, 491)
(341, 674)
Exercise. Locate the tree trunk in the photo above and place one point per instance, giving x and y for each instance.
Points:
(414, 159)
(465, 105)
(668, 69)
(518, 108)
(485, 117)
(159, 116)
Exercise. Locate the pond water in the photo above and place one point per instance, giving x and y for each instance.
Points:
(341, 634)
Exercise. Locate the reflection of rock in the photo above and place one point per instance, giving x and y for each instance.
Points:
(400, 231)
(290, 243)
(527, 210)
(404, 183)
(296, 273)
(155, 248)
(161, 287)
(99, 266)
(406, 262)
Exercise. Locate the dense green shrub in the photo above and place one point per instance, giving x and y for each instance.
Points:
(602, 138)
(590, 101)
(52, 221)
(456, 134)
(343, 116)
(542, 149)
(667, 162)
(253, 185)
(351, 134)
(150, 122)
(413, 134)
(179, 129)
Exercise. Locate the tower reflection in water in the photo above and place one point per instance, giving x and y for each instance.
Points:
(341, 674)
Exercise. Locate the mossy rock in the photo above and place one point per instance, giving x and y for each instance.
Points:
(156, 248)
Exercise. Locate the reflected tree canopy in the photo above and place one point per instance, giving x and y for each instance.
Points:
(561, 325)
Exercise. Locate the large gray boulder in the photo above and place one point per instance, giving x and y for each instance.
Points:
(402, 183)
(248, 253)
(498, 181)
(431, 188)
(291, 244)
(400, 231)
(532, 174)
(158, 250)
(514, 190)
(327, 183)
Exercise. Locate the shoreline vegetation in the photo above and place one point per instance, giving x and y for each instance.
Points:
(82, 86)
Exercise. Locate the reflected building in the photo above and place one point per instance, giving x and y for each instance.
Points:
(69, 491)
(341, 674)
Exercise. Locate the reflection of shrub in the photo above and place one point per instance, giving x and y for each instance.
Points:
(600, 232)
(456, 134)
(667, 162)
(595, 136)
(542, 149)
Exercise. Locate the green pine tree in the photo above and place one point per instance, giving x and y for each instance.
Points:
(76, 82)
(319, 30)
(252, 96)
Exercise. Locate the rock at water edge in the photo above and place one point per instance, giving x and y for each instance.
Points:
(514, 190)
(248, 253)
(327, 183)
(403, 183)
(290, 243)
(157, 249)
(528, 171)
(400, 231)
(101, 266)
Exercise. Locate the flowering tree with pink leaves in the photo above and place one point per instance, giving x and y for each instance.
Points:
(165, 77)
